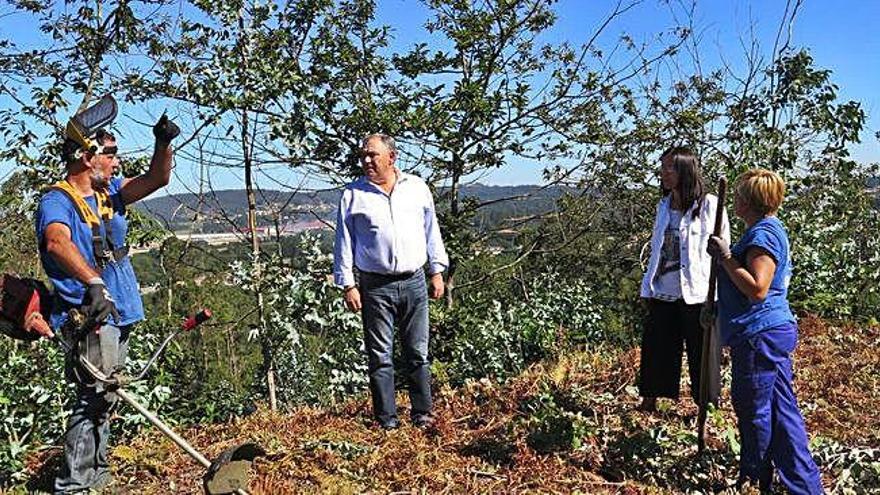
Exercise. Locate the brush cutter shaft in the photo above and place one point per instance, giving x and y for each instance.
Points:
(165, 429)
(101, 377)
(152, 418)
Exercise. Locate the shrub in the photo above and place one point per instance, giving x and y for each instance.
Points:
(497, 335)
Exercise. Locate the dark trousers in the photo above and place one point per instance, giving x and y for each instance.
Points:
(85, 463)
(669, 327)
(401, 301)
(772, 431)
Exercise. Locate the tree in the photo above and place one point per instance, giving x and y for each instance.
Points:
(778, 112)
(272, 84)
(82, 45)
(498, 96)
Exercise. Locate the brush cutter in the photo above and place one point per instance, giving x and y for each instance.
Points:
(228, 473)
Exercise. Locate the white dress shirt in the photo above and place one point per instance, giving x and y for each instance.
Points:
(386, 233)
(694, 237)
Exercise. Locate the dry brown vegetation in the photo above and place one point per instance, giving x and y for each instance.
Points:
(563, 426)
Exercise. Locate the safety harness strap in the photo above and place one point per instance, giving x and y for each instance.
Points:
(102, 246)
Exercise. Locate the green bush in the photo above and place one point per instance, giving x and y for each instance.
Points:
(32, 402)
(315, 340)
(833, 224)
(497, 334)
(856, 470)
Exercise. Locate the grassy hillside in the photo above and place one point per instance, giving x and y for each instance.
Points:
(563, 426)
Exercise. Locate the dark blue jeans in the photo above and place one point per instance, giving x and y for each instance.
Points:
(88, 427)
(401, 301)
(771, 427)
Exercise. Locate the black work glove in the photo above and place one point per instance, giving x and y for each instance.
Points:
(99, 304)
(165, 130)
(718, 248)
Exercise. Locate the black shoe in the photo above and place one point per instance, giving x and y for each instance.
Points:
(422, 421)
(391, 424)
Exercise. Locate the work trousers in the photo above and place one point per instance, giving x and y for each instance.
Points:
(772, 431)
(85, 463)
(669, 327)
(402, 301)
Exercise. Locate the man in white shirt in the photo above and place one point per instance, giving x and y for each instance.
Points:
(387, 228)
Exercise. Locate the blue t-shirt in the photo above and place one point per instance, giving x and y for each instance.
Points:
(740, 318)
(56, 207)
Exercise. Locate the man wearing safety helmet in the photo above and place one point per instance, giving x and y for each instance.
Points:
(81, 229)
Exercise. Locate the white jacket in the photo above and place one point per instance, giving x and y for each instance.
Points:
(695, 261)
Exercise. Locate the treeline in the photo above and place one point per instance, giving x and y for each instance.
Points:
(296, 84)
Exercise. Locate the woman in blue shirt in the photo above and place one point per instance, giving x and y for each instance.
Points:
(758, 325)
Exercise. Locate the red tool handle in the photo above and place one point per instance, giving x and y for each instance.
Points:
(196, 319)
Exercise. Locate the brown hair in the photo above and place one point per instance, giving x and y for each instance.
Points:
(690, 179)
(763, 190)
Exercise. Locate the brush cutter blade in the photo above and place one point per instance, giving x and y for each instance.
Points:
(229, 471)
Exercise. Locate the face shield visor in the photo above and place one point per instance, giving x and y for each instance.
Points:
(82, 127)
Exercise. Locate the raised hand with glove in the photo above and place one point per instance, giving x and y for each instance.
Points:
(98, 303)
(165, 130)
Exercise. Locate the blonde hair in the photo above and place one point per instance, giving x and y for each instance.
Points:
(762, 190)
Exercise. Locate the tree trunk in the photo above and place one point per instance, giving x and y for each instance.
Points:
(454, 211)
(265, 341)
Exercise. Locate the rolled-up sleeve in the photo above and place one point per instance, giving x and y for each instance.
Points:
(438, 260)
(725, 224)
(343, 247)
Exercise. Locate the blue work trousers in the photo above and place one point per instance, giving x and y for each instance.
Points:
(85, 463)
(402, 301)
(772, 431)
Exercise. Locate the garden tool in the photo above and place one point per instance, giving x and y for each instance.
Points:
(710, 330)
(227, 474)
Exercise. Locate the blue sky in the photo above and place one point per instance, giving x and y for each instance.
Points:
(841, 36)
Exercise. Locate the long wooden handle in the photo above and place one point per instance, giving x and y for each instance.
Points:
(716, 231)
(707, 344)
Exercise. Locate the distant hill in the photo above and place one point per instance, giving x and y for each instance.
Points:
(218, 208)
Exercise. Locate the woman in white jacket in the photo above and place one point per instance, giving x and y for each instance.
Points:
(676, 282)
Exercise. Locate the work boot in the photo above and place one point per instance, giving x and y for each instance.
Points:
(422, 421)
(391, 424)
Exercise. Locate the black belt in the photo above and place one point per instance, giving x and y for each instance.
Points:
(388, 277)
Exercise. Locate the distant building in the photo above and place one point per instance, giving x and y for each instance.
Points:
(263, 232)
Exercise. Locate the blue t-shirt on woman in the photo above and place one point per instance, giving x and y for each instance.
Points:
(56, 207)
(740, 318)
